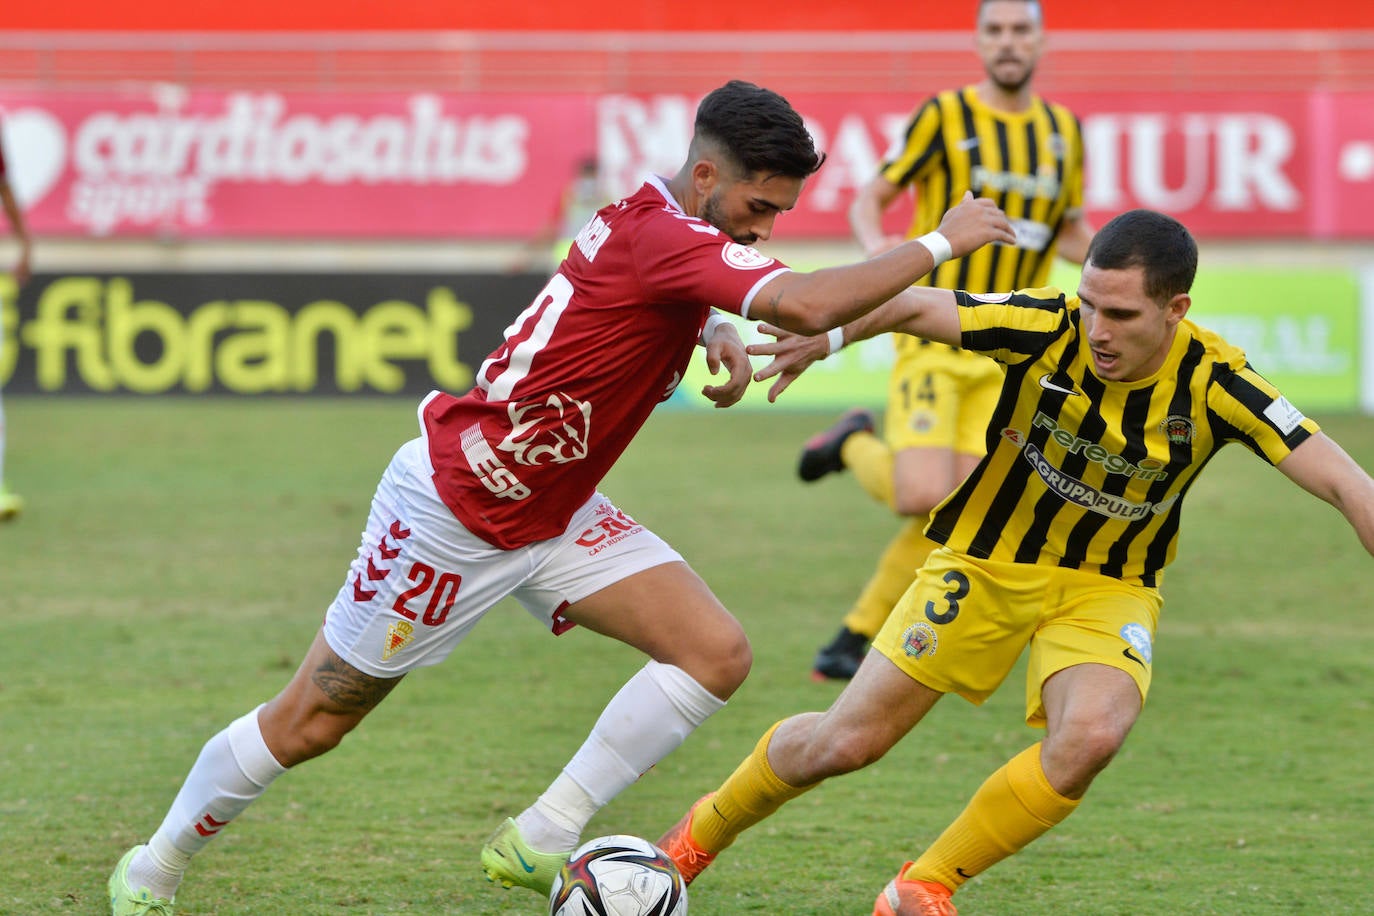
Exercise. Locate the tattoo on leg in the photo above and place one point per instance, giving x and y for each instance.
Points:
(349, 687)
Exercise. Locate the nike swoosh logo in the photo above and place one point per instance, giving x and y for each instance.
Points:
(968, 143)
(529, 869)
(962, 874)
(1051, 386)
(1133, 657)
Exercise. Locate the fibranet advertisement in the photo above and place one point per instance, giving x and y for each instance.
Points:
(251, 334)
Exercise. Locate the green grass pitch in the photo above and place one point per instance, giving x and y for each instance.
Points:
(177, 555)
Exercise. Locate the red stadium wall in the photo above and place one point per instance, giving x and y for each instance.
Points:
(664, 15)
(211, 164)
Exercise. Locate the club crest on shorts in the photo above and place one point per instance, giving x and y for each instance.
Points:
(398, 635)
(922, 421)
(919, 640)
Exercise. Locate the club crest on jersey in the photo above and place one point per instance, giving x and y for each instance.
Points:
(742, 257)
(551, 431)
(398, 635)
(1178, 429)
(920, 640)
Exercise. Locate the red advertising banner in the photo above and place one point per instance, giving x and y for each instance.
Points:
(253, 164)
(664, 15)
(264, 164)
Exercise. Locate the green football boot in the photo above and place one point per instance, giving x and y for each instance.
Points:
(509, 861)
(124, 901)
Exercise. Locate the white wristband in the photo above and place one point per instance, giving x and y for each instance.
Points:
(836, 338)
(713, 321)
(938, 246)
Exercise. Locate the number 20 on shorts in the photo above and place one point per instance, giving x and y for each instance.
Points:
(442, 589)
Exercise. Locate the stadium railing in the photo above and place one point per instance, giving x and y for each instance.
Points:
(497, 62)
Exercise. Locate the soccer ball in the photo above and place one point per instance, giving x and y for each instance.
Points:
(618, 876)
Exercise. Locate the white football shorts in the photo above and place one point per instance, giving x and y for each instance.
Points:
(421, 580)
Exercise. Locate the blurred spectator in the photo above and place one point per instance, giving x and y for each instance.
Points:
(10, 504)
(583, 196)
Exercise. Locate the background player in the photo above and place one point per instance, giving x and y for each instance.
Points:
(1002, 141)
(11, 504)
(498, 495)
(1112, 403)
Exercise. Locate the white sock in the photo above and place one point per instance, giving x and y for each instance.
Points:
(233, 769)
(644, 722)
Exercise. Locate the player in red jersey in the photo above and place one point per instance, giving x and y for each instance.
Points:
(10, 503)
(498, 495)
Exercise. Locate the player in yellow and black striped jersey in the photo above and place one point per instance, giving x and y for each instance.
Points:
(1113, 402)
(999, 140)
(1085, 474)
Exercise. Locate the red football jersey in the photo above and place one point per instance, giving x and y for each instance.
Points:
(581, 369)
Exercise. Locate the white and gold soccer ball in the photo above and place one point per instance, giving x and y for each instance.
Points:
(618, 875)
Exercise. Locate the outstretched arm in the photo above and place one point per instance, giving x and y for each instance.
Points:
(812, 303)
(1075, 236)
(1322, 468)
(866, 216)
(921, 310)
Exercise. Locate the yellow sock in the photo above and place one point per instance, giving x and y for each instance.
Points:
(896, 571)
(752, 793)
(1013, 807)
(870, 460)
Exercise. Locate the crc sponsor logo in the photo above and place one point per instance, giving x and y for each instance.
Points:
(551, 431)
(612, 526)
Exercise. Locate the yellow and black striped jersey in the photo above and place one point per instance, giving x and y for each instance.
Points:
(1030, 163)
(1090, 474)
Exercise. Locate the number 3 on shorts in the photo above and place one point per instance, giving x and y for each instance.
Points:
(958, 583)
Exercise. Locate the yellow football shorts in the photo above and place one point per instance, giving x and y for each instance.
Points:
(940, 397)
(962, 624)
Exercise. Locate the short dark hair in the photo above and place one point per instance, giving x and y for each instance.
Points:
(1038, 12)
(759, 129)
(1144, 238)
